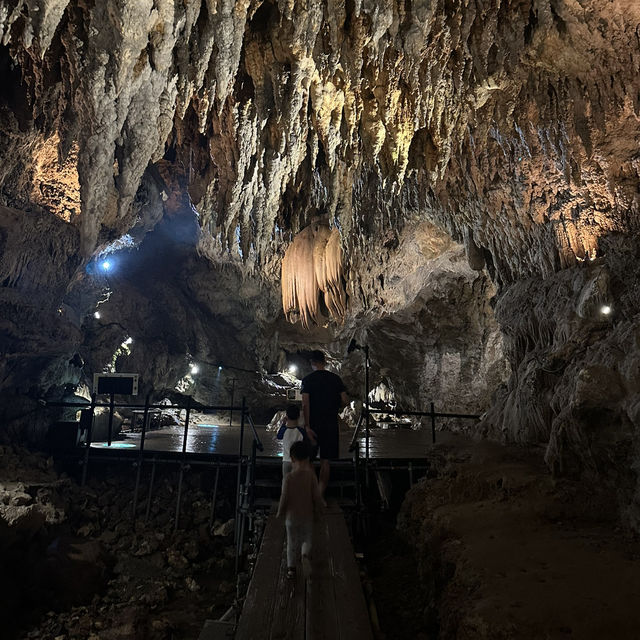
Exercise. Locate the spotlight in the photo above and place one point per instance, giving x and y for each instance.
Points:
(128, 341)
(105, 265)
(194, 369)
(96, 315)
(220, 368)
(293, 368)
(605, 309)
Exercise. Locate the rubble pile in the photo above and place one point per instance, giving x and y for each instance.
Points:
(77, 566)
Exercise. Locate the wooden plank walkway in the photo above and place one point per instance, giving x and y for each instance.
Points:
(329, 605)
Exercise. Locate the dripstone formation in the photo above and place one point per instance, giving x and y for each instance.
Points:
(478, 160)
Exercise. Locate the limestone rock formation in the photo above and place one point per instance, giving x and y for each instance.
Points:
(313, 271)
(511, 127)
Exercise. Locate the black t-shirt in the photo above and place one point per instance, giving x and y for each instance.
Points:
(324, 389)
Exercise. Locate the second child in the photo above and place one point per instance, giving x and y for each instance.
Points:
(289, 432)
(300, 504)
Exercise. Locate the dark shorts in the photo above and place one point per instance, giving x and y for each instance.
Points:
(328, 442)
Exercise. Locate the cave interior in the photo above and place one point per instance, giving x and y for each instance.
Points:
(203, 192)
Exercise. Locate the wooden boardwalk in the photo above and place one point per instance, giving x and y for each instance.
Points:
(329, 605)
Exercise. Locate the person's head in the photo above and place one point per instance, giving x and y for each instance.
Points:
(293, 412)
(317, 359)
(299, 451)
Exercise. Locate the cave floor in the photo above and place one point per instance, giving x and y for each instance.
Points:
(511, 552)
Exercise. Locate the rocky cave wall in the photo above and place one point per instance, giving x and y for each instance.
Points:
(510, 125)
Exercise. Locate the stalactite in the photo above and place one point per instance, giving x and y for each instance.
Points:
(313, 265)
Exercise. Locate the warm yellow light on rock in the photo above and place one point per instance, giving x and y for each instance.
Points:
(55, 181)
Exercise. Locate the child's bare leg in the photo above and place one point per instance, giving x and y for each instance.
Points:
(324, 476)
(307, 537)
(292, 546)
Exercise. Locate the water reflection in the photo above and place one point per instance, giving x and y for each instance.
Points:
(115, 445)
(224, 440)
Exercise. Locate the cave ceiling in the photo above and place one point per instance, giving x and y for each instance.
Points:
(464, 152)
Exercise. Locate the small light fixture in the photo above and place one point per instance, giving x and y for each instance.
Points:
(293, 368)
(105, 265)
(220, 368)
(96, 315)
(194, 369)
(128, 341)
(605, 309)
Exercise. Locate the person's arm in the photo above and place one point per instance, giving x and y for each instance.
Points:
(305, 412)
(281, 431)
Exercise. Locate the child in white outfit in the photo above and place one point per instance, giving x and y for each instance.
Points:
(301, 504)
(289, 432)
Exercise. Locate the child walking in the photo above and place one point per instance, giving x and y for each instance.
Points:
(301, 504)
(289, 432)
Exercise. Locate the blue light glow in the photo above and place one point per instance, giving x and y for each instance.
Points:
(115, 445)
(105, 265)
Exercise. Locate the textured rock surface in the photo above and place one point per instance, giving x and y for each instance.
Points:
(74, 564)
(505, 552)
(512, 126)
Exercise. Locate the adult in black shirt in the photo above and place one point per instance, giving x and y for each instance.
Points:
(323, 394)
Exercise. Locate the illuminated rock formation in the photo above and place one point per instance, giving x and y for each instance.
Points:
(511, 127)
(313, 265)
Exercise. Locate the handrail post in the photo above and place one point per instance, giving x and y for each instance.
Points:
(182, 463)
(214, 496)
(150, 494)
(111, 410)
(186, 426)
(233, 388)
(354, 443)
(140, 453)
(256, 437)
(252, 477)
(87, 443)
(240, 448)
(433, 424)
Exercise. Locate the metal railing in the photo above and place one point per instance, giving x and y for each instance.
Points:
(244, 493)
(354, 446)
(432, 413)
